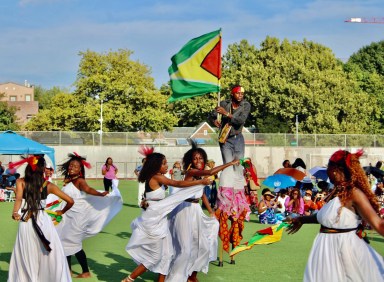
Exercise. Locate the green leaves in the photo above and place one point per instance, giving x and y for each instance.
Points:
(285, 79)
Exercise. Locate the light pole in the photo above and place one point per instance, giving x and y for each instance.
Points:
(297, 130)
(101, 122)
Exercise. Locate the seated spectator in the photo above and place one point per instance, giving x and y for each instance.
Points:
(294, 204)
(309, 205)
(251, 189)
(2, 195)
(287, 164)
(12, 175)
(267, 207)
(319, 197)
(2, 168)
(306, 185)
(282, 196)
(48, 172)
(379, 192)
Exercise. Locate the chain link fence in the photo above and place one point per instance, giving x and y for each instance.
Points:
(63, 138)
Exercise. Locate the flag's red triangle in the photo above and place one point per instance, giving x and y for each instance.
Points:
(266, 231)
(212, 62)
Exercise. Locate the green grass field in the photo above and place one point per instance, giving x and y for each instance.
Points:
(108, 260)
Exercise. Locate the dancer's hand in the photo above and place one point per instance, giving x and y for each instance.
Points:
(295, 224)
(207, 181)
(16, 216)
(59, 212)
(217, 123)
(102, 194)
(235, 162)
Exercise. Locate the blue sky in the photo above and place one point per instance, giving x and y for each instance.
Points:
(41, 39)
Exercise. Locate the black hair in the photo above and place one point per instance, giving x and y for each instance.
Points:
(379, 164)
(106, 161)
(63, 168)
(378, 191)
(307, 186)
(265, 190)
(285, 161)
(34, 180)
(323, 185)
(188, 156)
(151, 166)
(299, 162)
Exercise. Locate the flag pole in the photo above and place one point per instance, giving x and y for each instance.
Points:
(218, 99)
(218, 104)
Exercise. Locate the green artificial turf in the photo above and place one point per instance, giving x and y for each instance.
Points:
(108, 260)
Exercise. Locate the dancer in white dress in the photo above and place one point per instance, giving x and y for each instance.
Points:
(38, 254)
(150, 245)
(339, 253)
(194, 234)
(91, 212)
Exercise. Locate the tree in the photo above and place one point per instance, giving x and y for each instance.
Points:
(68, 113)
(366, 67)
(193, 111)
(285, 79)
(131, 101)
(370, 58)
(8, 119)
(44, 96)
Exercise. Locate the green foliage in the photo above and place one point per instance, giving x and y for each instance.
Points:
(44, 96)
(130, 100)
(282, 79)
(285, 79)
(8, 119)
(366, 67)
(69, 112)
(370, 58)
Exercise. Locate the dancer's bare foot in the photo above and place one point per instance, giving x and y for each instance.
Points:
(84, 275)
(192, 279)
(128, 279)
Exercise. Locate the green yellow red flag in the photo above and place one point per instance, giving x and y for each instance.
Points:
(196, 68)
(261, 237)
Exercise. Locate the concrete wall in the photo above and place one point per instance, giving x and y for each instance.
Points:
(266, 159)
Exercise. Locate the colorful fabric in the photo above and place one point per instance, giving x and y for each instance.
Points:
(232, 205)
(233, 202)
(50, 209)
(247, 164)
(230, 235)
(252, 199)
(269, 217)
(196, 68)
(265, 236)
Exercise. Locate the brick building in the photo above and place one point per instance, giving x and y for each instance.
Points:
(22, 97)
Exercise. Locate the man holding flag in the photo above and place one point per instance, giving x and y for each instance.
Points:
(230, 117)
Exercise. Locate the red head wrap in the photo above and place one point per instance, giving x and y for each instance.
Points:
(31, 160)
(237, 89)
(85, 163)
(342, 157)
(145, 150)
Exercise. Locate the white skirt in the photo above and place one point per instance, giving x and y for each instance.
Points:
(30, 261)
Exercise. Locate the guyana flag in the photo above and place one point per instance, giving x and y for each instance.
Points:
(196, 68)
(265, 236)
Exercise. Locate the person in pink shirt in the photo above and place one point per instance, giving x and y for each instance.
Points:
(109, 170)
(294, 204)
